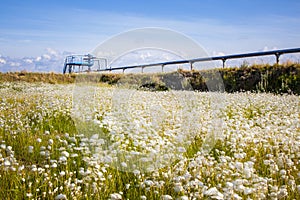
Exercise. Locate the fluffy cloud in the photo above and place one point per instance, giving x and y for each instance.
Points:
(2, 61)
(50, 61)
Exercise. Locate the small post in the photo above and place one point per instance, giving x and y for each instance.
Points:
(277, 57)
(124, 70)
(191, 66)
(162, 68)
(223, 60)
(105, 62)
(142, 69)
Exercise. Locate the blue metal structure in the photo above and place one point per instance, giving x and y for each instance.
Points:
(78, 60)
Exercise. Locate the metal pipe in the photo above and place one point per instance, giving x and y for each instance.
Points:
(277, 53)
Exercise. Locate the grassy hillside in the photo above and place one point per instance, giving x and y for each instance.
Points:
(31, 77)
(265, 78)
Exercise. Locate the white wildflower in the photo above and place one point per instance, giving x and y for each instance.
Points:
(298, 188)
(54, 165)
(237, 197)
(124, 164)
(63, 159)
(214, 193)
(7, 163)
(65, 154)
(166, 197)
(149, 183)
(62, 173)
(116, 196)
(50, 141)
(3, 146)
(282, 172)
(178, 187)
(181, 149)
(282, 193)
(184, 198)
(60, 197)
(30, 149)
(229, 184)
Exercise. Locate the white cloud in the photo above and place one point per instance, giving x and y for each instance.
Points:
(44, 63)
(15, 64)
(30, 61)
(46, 56)
(52, 52)
(2, 61)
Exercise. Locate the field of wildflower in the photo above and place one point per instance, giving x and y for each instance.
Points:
(66, 141)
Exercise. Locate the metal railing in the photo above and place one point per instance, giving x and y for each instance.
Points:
(277, 54)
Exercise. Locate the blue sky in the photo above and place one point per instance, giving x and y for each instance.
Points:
(30, 27)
